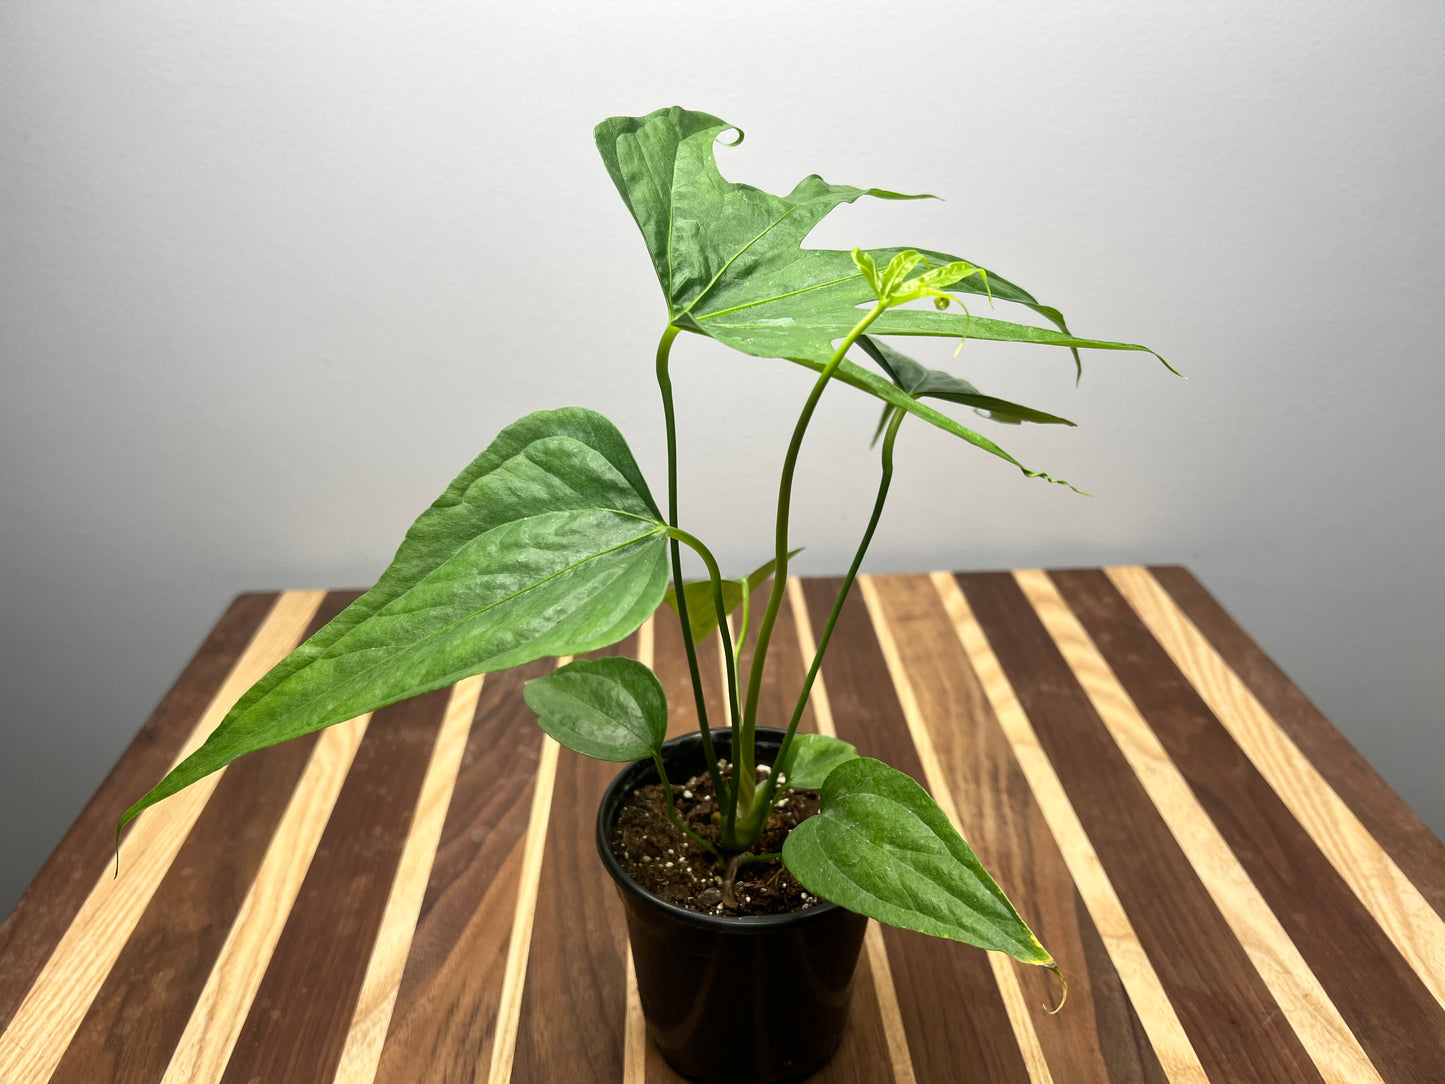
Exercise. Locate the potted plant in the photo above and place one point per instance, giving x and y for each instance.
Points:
(551, 544)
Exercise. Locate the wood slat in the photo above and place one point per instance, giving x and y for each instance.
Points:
(1394, 901)
(1233, 1021)
(574, 1000)
(134, 1024)
(1096, 1037)
(933, 978)
(1156, 1013)
(372, 1015)
(326, 945)
(1295, 988)
(442, 1025)
(49, 905)
(45, 1022)
(1387, 1008)
(1419, 854)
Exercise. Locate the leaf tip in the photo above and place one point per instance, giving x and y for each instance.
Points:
(1053, 966)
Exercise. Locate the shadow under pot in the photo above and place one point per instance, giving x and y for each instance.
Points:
(732, 1000)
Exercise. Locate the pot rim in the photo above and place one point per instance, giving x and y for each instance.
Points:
(716, 923)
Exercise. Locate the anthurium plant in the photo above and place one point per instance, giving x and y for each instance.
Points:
(551, 543)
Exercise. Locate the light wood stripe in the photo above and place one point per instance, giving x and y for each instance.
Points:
(634, 1040)
(1003, 972)
(32, 1046)
(1156, 1013)
(1308, 1008)
(372, 1016)
(1394, 901)
(220, 1012)
(899, 1056)
(509, 1010)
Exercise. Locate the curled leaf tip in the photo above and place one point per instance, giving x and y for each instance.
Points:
(1063, 988)
(731, 142)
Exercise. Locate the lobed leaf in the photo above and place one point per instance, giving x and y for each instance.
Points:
(880, 846)
(549, 543)
(610, 709)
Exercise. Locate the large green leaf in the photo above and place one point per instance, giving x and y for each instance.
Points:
(549, 543)
(730, 260)
(811, 758)
(611, 709)
(880, 846)
(701, 609)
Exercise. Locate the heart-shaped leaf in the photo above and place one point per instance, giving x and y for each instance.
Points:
(611, 709)
(702, 611)
(811, 758)
(549, 543)
(880, 846)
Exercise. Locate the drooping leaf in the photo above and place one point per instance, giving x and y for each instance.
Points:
(880, 846)
(702, 611)
(611, 709)
(549, 543)
(921, 382)
(811, 757)
(730, 260)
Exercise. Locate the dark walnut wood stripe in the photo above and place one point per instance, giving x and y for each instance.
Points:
(1395, 1018)
(38, 921)
(933, 978)
(446, 1008)
(298, 1022)
(133, 1025)
(1419, 854)
(1097, 1038)
(1231, 1019)
(574, 1000)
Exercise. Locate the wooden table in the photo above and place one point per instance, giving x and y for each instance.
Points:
(1233, 893)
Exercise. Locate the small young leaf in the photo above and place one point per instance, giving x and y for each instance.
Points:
(611, 709)
(880, 846)
(921, 382)
(811, 757)
(702, 611)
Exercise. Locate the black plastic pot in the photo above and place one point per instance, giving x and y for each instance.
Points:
(750, 1000)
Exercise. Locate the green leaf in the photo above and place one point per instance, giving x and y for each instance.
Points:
(811, 757)
(702, 611)
(730, 260)
(880, 846)
(549, 543)
(921, 382)
(611, 709)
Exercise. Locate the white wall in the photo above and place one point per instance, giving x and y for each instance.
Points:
(271, 272)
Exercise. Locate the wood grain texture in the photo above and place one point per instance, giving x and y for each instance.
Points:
(1387, 1008)
(1206, 971)
(1391, 897)
(1419, 854)
(49, 904)
(442, 1025)
(372, 1015)
(941, 787)
(135, 1022)
(933, 978)
(218, 1014)
(1137, 974)
(1007, 829)
(1296, 989)
(42, 1027)
(334, 920)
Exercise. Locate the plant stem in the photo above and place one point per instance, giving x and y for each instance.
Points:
(664, 383)
(743, 756)
(696, 544)
(672, 812)
(884, 481)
